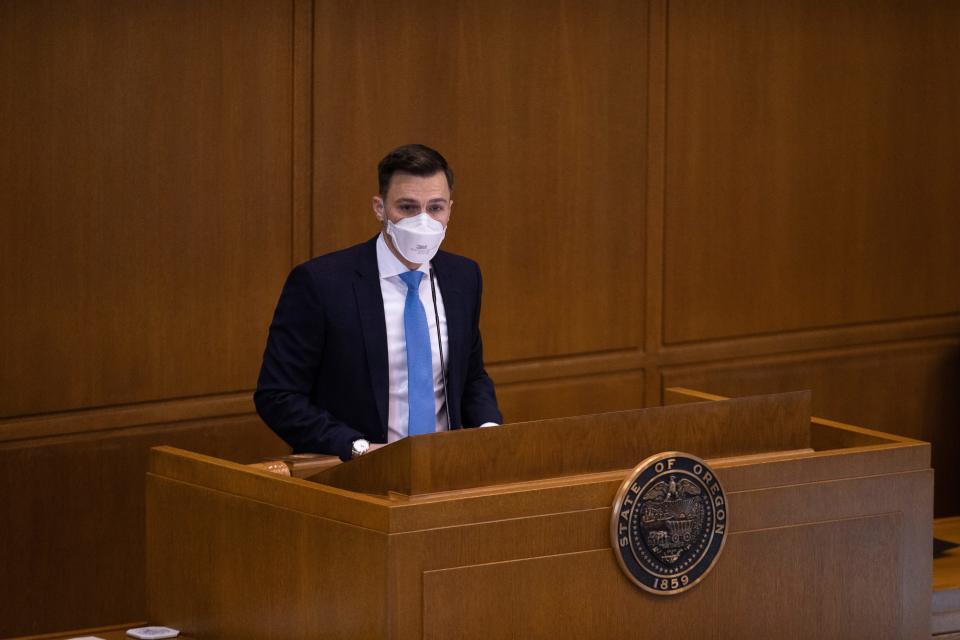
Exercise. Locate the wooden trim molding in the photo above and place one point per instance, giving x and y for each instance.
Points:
(120, 417)
(656, 187)
(564, 367)
(798, 356)
(811, 340)
(302, 118)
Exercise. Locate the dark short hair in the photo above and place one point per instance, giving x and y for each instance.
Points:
(416, 159)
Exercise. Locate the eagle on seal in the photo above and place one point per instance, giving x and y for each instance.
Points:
(662, 491)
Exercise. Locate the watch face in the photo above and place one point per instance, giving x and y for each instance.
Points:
(360, 447)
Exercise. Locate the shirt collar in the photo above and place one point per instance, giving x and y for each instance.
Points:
(389, 265)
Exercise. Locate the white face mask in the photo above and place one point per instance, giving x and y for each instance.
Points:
(417, 238)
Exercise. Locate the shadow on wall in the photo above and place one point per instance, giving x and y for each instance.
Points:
(942, 407)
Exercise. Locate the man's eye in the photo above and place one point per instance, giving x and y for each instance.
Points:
(408, 208)
(437, 208)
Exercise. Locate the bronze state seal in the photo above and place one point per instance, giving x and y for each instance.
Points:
(669, 522)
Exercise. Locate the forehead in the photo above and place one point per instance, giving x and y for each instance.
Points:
(419, 188)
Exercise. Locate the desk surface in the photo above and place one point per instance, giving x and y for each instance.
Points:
(115, 632)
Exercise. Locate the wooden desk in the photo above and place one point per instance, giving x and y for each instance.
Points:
(114, 632)
(831, 538)
(946, 595)
(946, 582)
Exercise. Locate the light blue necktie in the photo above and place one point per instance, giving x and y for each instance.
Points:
(422, 417)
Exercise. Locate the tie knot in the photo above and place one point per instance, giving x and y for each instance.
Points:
(412, 278)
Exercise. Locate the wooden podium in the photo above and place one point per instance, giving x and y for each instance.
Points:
(505, 533)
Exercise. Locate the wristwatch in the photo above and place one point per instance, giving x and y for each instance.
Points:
(360, 447)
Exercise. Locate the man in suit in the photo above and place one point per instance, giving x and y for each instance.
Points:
(353, 356)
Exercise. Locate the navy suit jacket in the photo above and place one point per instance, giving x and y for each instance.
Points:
(324, 379)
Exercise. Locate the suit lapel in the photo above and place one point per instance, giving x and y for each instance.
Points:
(366, 288)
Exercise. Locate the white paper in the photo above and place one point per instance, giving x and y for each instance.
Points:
(152, 633)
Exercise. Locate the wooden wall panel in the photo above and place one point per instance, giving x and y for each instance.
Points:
(72, 510)
(546, 135)
(150, 194)
(811, 164)
(145, 185)
(733, 195)
(909, 389)
(571, 396)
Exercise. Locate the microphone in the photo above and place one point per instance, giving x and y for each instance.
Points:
(443, 373)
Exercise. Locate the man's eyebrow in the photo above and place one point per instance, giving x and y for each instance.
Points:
(405, 200)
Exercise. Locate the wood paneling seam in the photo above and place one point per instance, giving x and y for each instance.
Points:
(833, 481)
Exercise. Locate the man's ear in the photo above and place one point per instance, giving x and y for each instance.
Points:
(378, 208)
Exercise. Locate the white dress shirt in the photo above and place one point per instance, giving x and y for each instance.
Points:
(394, 292)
